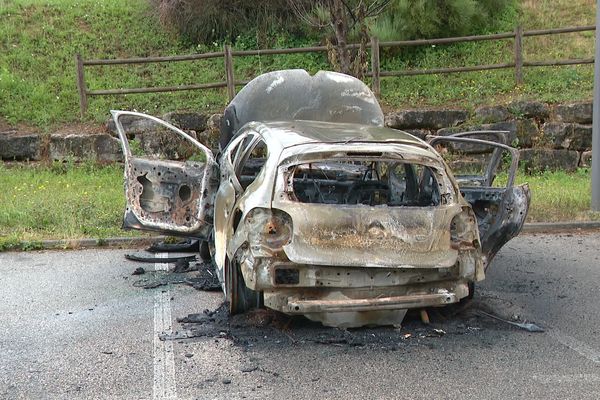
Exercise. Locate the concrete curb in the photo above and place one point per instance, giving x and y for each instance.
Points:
(126, 242)
(117, 242)
(551, 227)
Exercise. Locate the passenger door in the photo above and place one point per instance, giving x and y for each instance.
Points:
(500, 209)
(170, 177)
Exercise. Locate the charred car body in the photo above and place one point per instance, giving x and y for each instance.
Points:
(315, 208)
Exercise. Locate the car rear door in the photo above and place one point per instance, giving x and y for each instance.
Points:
(499, 205)
(170, 177)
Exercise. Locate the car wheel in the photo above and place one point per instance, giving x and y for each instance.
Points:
(239, 296)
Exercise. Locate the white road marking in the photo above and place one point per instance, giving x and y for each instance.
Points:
(579, 347)
(164, 362)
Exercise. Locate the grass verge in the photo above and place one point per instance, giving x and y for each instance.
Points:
(37, 69)
(65, 201)
(60, 202)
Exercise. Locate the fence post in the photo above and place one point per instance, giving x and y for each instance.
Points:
(375, 68)
(519, 55)
(229, 71)
(83, 102)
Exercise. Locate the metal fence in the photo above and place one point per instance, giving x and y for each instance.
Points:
(228, 54)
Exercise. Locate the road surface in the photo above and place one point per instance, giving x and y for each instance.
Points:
(74, 326)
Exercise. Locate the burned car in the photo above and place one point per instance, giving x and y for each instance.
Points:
(313, 207)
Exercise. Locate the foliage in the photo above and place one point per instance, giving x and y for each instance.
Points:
(37, 71)
(345, 19)
(205, 21)
(418, 19)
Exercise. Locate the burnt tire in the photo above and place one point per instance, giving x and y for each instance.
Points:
(240, 297)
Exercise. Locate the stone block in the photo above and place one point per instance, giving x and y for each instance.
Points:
(529, 109)
(534, 160)
(492, 114)
(580, 113)
(187, 121)
(425, 119)
(527, 133)
(15, 147)
(73, 146)
(107, 148)
(568, 135)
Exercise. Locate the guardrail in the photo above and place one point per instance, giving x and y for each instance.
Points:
(228, 54)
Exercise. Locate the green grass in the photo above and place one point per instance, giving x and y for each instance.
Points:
(560, 196)
(60, 202)
(66, 201)
(39, 40)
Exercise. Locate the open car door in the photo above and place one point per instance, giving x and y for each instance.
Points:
(170, 177)
(499, 205)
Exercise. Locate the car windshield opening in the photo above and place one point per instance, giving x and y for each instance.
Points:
(367, 182)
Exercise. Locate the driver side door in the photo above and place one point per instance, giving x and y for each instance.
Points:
(170, 177)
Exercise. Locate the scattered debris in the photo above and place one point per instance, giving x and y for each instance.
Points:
(226, 381)
(139, 271)
(528, 326)
(152, 259)
(185, 246)
(182, 266)
(424, 316)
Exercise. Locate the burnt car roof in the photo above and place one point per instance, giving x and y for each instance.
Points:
(293, 133)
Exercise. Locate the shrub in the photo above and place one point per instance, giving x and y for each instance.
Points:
(205, 21)
(421, 19)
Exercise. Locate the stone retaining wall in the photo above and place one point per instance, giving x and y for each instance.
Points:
(548, 136)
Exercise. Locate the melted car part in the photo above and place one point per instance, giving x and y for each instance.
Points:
(295, 95)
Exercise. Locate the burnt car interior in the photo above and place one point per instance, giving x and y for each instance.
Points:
(368, 182)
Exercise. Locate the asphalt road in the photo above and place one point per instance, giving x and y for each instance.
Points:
(73, 325)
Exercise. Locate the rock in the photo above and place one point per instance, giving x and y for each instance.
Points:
(582, 137)
(214, 122)
(535, 160)
(568, 135)
(428, 119)
(580, 113)
(97, 147)
(492, 114)
(226, 381)
(107, 148)
(586, 159)
(187, 121)
(529, 109)
(527, 133)
(73, 146)
(19, 147)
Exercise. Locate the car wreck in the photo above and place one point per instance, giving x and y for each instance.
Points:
(313, 207)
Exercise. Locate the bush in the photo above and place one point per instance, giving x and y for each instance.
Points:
(205, 21)
(423, 19)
